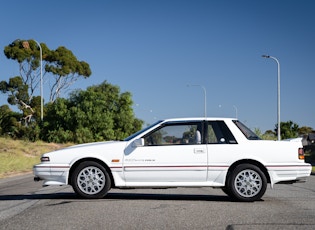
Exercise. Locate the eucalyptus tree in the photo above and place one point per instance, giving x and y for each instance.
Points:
(60, 68)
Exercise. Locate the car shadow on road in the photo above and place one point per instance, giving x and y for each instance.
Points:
(39, 196)
(118, 196)
(153, 196)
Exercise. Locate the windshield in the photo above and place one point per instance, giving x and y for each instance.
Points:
(250, 135)
(141, 131)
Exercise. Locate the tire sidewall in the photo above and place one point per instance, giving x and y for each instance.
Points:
(231, 183)
(81, 193)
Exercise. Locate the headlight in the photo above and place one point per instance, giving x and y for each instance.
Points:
(44, 159)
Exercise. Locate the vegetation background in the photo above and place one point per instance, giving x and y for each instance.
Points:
(18, 156)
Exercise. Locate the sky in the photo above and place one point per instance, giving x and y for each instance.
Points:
(154, 49)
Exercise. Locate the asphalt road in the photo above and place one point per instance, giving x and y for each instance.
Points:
(24, 204)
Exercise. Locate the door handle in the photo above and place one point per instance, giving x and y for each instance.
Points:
(199, 151)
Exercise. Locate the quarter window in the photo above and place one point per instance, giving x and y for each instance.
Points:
(219, 133)
(249, 134)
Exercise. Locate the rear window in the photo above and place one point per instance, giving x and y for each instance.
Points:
(249, 134)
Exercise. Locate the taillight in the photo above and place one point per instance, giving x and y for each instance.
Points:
(301, 154)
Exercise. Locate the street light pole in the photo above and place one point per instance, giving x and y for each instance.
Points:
(235, 111)
(205, 97)
(41, 80)
(267, 56)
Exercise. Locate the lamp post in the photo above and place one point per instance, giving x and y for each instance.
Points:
(235, 111)
(205, 97)
(278, 114)
(41, 80)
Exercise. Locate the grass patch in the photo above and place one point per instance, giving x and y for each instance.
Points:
(19, 156)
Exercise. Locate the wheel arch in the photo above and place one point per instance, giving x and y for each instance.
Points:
(73, 167)
(249, 161)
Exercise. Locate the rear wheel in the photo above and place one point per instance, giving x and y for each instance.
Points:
(246, 183)
(90, 180)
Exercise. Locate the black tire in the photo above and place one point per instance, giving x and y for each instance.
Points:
(246, 183)
(226, 191)
(90, 180)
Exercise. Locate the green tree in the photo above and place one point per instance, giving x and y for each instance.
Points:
(288, 130)
(8, 121)
(27, 55)
(57, 126)
(60, 66)
(99, 113)
(268, 135)
(18, 95)
(65, 69)
(305, 130)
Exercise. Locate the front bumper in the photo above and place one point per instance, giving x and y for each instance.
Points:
(51, 174)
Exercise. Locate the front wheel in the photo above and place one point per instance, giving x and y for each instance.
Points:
(246, 183)
(90, 180)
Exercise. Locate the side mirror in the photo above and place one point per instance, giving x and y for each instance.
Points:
(138, 143)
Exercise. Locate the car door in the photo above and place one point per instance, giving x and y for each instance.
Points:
(222, 149)
(174, 152)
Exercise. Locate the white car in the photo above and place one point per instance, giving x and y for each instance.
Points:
(185, 152)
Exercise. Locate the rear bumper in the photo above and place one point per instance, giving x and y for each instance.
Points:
(289, 174)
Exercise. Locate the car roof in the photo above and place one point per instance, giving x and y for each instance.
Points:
(198, 119)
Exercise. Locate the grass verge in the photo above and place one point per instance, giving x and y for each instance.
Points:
(19, 156)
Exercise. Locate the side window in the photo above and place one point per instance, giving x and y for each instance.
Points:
(212, 136)
(219, 133)
(175, 134)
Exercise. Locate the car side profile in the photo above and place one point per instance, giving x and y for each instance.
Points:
(185, 152)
